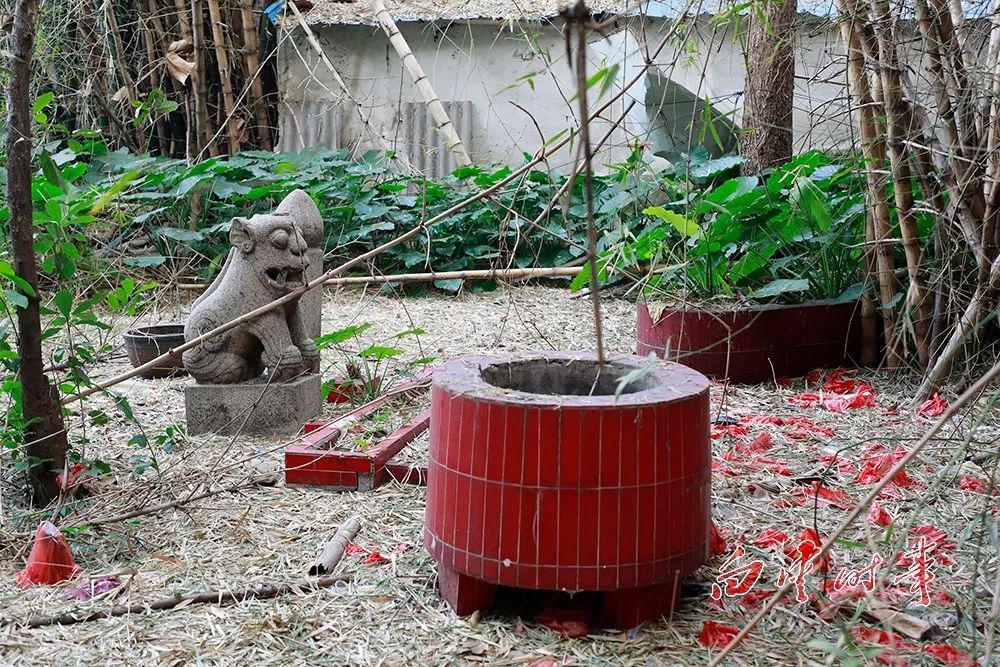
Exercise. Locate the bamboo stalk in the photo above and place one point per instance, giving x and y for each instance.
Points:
(897, 134)
(485, 274)
(540, 156)
(250, 46)
(182, 18)
(154, 80)
(334, 550)
(225, 76)
(203, 130)
(265, 592)
(121, 66)
(873, 151)
(441, 120)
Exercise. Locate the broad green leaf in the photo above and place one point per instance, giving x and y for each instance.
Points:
(64, 302)
(379, 352)
(679, 222)
(341, 335)
(779, 287)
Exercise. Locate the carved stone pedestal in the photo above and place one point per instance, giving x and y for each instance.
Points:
(275, 409)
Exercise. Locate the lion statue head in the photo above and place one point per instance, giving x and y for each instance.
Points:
(274, 247)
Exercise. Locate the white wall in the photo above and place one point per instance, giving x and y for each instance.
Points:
(485, 63)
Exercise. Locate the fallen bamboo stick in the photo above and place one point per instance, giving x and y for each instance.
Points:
(335, 548)
(484, 274)
(264, 592)
(442, 122)
(543, 152)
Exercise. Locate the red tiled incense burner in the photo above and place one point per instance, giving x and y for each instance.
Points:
(534, 484)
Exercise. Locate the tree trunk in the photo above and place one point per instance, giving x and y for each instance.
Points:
(46, 434)
(770, 85)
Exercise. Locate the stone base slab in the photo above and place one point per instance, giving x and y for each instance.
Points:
(275, 409)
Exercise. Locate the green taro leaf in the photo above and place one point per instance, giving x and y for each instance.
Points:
(379, 352)
(679, 222)
(779, 287)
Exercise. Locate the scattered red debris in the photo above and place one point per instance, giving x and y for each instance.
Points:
(755, 598)
(878, 636)
(814, 377)
(374, 558)
(733, 430)
(876, 467)
(401, 547)
(973, 485)
(949, 655)
(807, 400)
(818, 493)
(569, 622)
(932, 407)
(91, 588)
(877, 516)
(716, 635)
(716, 542)
(808, 546)
(864, 398)
(883, 638)
(836, 383)
(75, 472)
(771, 537)
(934, 536)
(844, 465)
(761, 443)
(50, 560)
(354, 550)
(785, 382)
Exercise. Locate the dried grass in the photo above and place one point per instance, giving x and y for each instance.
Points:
(391, 614)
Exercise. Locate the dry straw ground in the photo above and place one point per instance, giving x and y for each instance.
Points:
(390, 613)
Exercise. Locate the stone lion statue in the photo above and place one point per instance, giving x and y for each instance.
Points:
(267, 261)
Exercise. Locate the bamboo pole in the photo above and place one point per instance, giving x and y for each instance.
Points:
(263, 592)
(203, 130)
(334, 550)
(182, 18)
(873, 151)
(485, 274)
(160, 124)
(250, 46)
(897, 135)
(225, 76)
(540, 156)
(441, 120)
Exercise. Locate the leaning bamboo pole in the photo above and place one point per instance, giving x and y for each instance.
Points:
(442, 122)
(321, 54)
(225, 76)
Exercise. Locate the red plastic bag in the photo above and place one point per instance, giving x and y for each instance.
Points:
(50, 560)
(717, 635)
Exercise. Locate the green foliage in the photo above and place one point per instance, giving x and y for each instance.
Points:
(365, 365)
(791, 235)
(89, 197)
